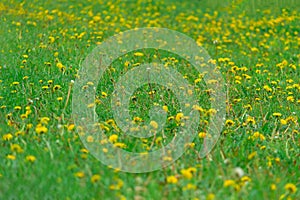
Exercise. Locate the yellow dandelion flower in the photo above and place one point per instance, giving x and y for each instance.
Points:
(252, 155)
(190, 186)
(90, 138)
(228, 183)
(84, 150)
(103, 94)
(16, 148)
(210, 196)
(44, 120)
(30, 158)
(95, 178)
(267, 88)
(17, 107)
(202, 135)
(127, 63)
(71, 127)
(55, 54)
(290, 187)
(11, 157)
(23, 116)
(229, 122)
(165, 108)
(117, 186)
(273, 187)
(196, 107)
(154, 124)
(7, 137)
(113, 138)
(138, 54)
(41, 129)
(79, 174)
(120, 145)
(283, 122)
(172, 180)
(188, 173)
(59, 65)
(245, 179)
(178, 117)
(137, 119)
(277, 114)
(91, 105)
(56, 87)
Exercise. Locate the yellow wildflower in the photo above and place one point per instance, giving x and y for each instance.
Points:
(95, 178)
(172, 179)
(30, 158)
(40, 129)
(79, 174)
(290, 187)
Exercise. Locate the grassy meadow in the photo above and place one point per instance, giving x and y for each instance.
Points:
(255, 45)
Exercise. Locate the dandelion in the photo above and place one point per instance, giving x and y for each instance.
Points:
(56, 87)
(229, 122)
(290, 98)
(138, 54)
(17, 107)
(16, 148)
(79, 174)
(179, 116)
(252, 155)
(172, 180)
(50, 82)
(84, 150)
(90, 138)
(41, 129)
(202, 135)
(188, 173)
(44, 120)
(267, 88)
(290, 187)
(120, 145)
(137, 119)
(189, 186)
(11, 157)
(210, 196)
(23, 116)
(258, 135)
(95, 178)
(273, 187)
(154, 124)
(113, 138)
(55, 54)
(59, 98)
(245, 179)
(7, 137)
(283, 122)
(117, 186)
(228, 183)
(30, 158)
(71, 127)
(277, 114)
(127, 63)
(165, 108)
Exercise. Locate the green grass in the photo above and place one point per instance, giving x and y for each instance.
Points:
(260, 40)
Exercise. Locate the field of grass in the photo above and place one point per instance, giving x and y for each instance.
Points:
(254, 44)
